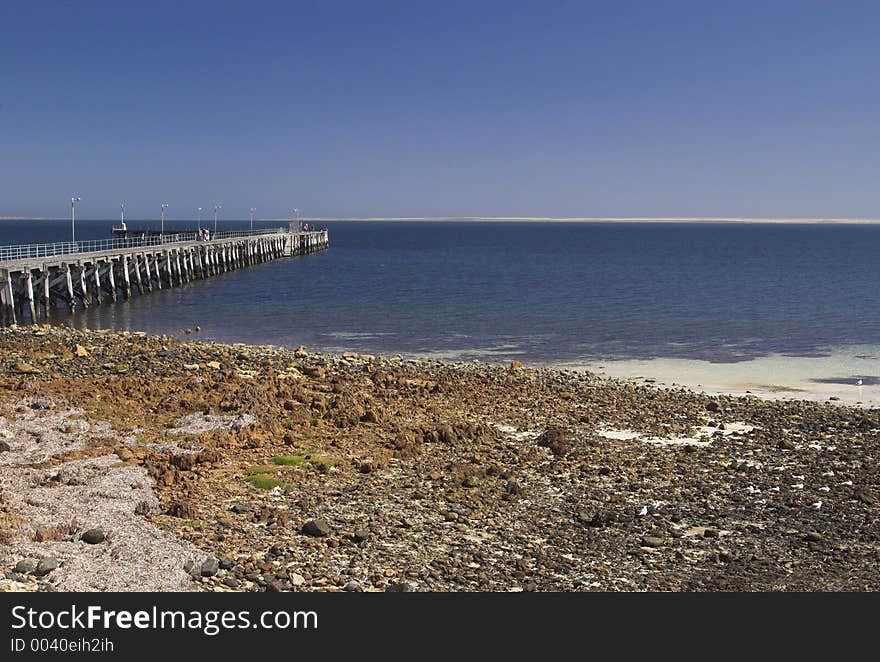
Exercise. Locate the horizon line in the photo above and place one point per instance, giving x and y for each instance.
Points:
(548, 219)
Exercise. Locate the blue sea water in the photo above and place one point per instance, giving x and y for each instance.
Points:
(539, 292)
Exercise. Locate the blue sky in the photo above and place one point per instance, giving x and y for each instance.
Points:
(440, 108)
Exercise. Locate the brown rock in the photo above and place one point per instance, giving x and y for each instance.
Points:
(557, 440)
(181, 509)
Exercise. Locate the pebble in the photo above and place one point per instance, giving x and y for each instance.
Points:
(317, 528)
(93, 536)
(210, 567)
(24, 567)
(45, 566)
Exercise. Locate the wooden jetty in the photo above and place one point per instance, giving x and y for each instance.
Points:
(42, 278)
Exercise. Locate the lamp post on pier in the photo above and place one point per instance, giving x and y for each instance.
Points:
(73, 202)
(216, 207)
(162, 228)
(122, 215)
(252, 218)
(200, 219)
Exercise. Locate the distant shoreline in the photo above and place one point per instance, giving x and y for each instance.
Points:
(521, 219)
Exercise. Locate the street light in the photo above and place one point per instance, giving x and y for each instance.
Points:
(122, 215)
(252, 218)
(73, 202)
(162, 229)
(216, 207)
(200, 219)
(297, 215)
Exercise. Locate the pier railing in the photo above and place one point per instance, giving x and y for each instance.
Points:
(27, 251)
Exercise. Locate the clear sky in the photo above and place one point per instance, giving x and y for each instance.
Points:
(460, 108)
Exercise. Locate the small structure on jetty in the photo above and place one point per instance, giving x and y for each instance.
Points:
(42, 278)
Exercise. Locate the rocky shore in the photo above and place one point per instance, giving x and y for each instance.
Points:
(132, 462)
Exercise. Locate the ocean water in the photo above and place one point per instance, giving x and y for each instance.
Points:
(537, 292)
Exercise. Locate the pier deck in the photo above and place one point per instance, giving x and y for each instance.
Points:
(41, 278)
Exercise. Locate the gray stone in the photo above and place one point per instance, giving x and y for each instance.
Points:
(240, 508)
(652, 541)
(93, 536)
(4, 447)
(45, 566)
(352, 587)
(399, 587)
(361, 535)
(231, 582)
(24, 567)
(210, 567)
(317, 528)
(296, 579)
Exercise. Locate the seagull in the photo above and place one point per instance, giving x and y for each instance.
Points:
(751, 489)
(827, 474)
(847, 482)
(761, 502)
(653, 507)
(796, 477)
(773, 489)
(825, 489)
(643, 511)
(778, 469)
(816, 506)
(797, 486)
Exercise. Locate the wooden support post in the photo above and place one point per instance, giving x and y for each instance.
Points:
(126, 278)
(177, 266)
(169, 277)
(97, 279)
(81, 284)
(7, 298)
(68, 282)
(44, 286)
(28, 291)
(157, 272)
(136, 265)
(111, 279)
